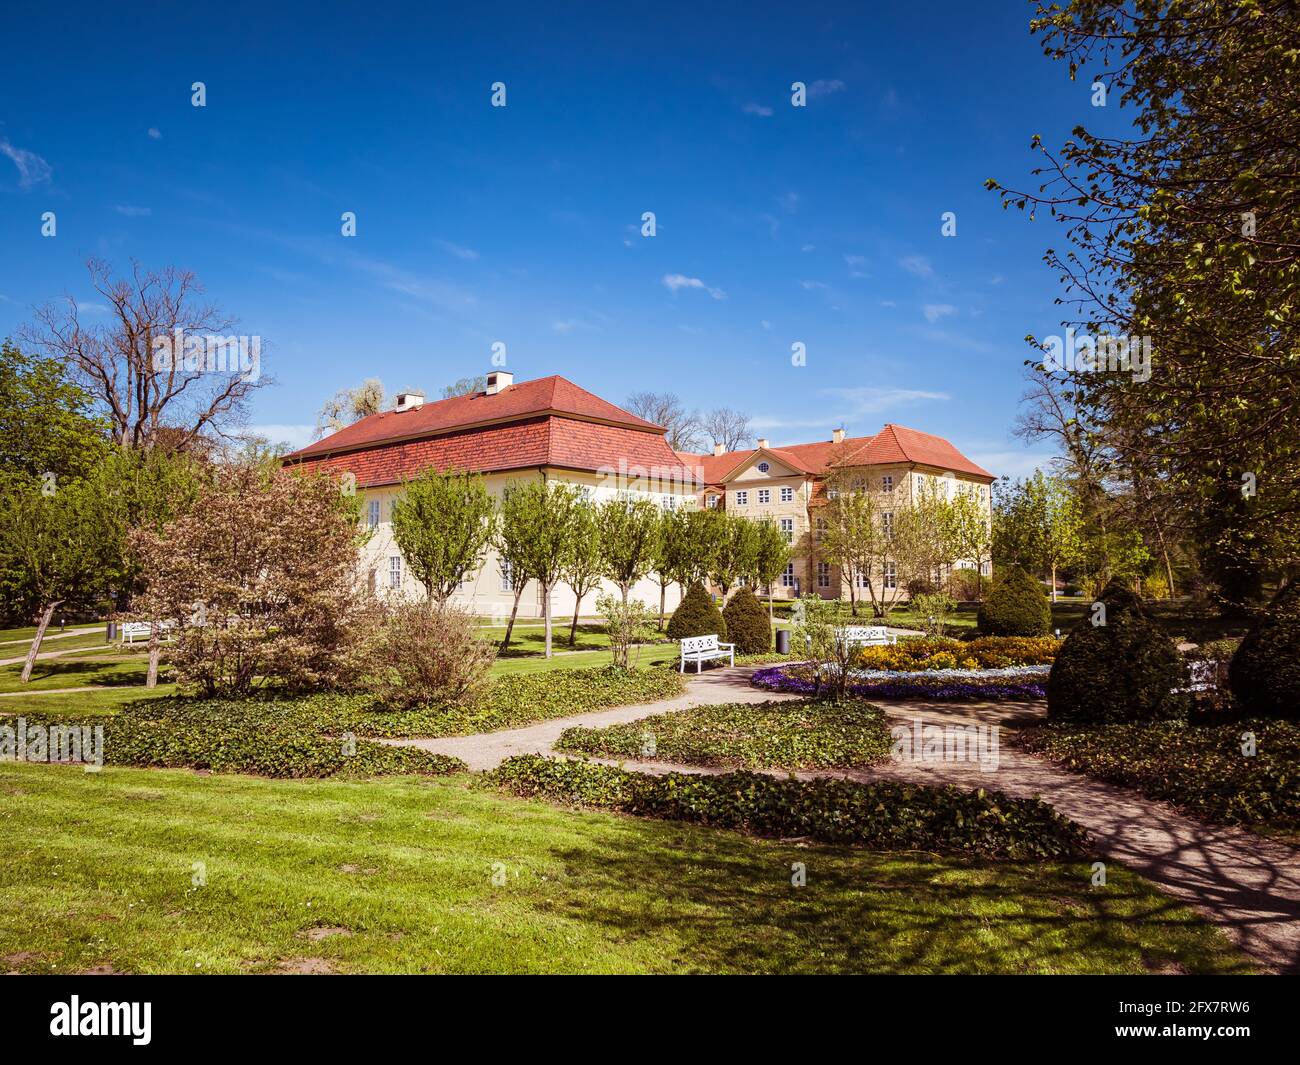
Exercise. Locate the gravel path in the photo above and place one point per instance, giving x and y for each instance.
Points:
(1247, 884)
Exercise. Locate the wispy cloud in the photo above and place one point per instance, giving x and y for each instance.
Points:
(811, 285)
(752, 108)
(917, 264)
(457, 250)
(789, 202)
(1011, 463)
(132, 212)
(823, 87)
(568, 325)
(32, 169)
(676, 282)
(155, 133)
(934, 311)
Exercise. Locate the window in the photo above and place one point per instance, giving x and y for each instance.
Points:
(819, 530)
(670, 502)
(887, 523)
(764, 496)
(763, 467)
(787, 495)
(863, 578)
(832, 493)
(823, 574)
(891, 575)
(394, 571)
(711, 502)
(392, 507)
(507, 577)
(787, 577)
(373, 515)
(742, 499)
(887, 483)
(787, 527)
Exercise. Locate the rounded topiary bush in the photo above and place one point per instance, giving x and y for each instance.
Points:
(1123, 670)
(1264, 673)
(697, 615)
(1016, 606)
(747, 624)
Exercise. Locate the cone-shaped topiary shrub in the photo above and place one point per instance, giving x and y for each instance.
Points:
(1264, 673)
(747, 624)
(1123, 670)
(696, 615)
(1016, 606)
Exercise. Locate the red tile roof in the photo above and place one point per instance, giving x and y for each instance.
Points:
(546, 395)
(893, 444)
(529, 431)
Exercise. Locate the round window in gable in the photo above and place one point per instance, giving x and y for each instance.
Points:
(763, 467)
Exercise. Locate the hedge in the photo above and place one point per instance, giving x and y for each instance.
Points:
(696, 615)
(1200, 769)
(790, 734)
(1124, 670)
(1265, 670)
(884, 815)
(1016, 606)
(748, 626)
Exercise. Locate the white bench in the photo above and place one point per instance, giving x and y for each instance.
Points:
(701, 649)
(866, 636)
(142, 630)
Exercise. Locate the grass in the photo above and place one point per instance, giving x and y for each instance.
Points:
(81, 704)
(396, 876)
(650, 655)
(77, 671)
(776, 735)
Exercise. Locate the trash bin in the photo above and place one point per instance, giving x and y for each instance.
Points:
(783, 641)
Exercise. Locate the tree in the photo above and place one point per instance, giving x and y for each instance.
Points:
(628, 532)
(1184, 250)
(258, 577)
(582, 567)
(730, 428)
(539, 520)
(848, 539)
(629, 624)
(1040, 526)
(443, 524)
(46, 422)
(465, 386)
(55, 549)
(737, 555)
(700, 537)
(971, 530)
(771, 556)
(665, 408)
(141, 380)
(350, 405)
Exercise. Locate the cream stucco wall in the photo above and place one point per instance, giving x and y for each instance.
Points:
(484, 593)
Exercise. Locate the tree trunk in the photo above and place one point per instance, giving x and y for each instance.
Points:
(1053, 582)
(151, 678)
(573, 629)
(546, 616)
(510, 625)
(663, 595)
(35, 648)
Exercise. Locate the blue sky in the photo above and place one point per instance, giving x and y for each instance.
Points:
(521, 224)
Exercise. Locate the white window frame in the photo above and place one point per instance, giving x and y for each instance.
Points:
(764, 496)
(787, 576)
(787, 494)
(787, 527)
(891, 575)
(823, 574)
(887, 483)
(742, 498)
(372, 514)
(395, 571)
(887, 523)
(507, 576)
(710, 502)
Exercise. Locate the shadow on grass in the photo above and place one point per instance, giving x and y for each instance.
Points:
(734, 909)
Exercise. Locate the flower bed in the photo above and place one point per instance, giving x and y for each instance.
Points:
(939, 654)
(882, 815)
(958, 685)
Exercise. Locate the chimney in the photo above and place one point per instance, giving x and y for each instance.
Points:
(718, 449)
(499, 381)
(762, 441)
(837, 436)
(408, 401)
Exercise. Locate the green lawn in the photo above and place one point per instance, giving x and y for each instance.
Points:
(77, 671)
(650, 655)
(77, 704)
(396, 875)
